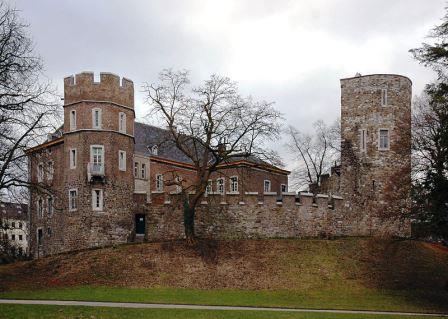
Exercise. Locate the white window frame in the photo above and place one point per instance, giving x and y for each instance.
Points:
(363, 140)
(384, 97)
(209, 187)
(94, 126)
(97, 198)
(220, 186)
(40, 172)
(122, 160)
(72, 208)
(72, 120)
(50, 170)
(281, 188)
(122, 122)
(103, 156)
(233, 184)
(155, 150)
(73, 158)
(50, 205)
(379, 139)
(136, 169)
(159, 182)
(264, 186)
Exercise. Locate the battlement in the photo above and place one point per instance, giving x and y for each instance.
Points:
(109, 88)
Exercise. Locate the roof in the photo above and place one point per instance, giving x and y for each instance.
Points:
(14, 210)
(146, 136)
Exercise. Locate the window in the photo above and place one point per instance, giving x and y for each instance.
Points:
(13, 237)
(96, 118)
(209, 188)
(20, 237)
(143, 175)
(97, 199)
(383, 139)
(49, 232)
(40, 173)
(283, 188)
(13, 224)
(155, 150)
(122, 160)
(72, 120)
(50, 205)
(384, 97)
(40, 208)
(363, 140)
(267, 186)
(72, 199)
(234, 184)
(73, 159)
(20, 225)
(97, 157)
(159, 182)
(39, 236)
(178, 181)
(136, 169)
(220, 185)
(122, 122)
(50, 170)
(373, 185)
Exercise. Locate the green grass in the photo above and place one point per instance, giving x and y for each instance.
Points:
(45, 311)
(348, 299)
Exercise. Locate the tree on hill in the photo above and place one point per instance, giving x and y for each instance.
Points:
(430, 136)
(211, 125)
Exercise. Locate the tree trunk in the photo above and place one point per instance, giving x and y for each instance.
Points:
(189, 212)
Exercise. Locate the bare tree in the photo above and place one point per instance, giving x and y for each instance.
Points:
(315, 154)
(211, 124)
(27, 104)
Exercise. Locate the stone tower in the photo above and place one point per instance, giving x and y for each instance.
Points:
(376, 146)
(98, 152)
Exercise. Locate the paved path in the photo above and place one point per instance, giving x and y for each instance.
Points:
(199, 307)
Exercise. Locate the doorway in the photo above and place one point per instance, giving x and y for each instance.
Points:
(140, 224)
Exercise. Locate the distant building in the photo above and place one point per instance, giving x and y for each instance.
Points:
(14, 226)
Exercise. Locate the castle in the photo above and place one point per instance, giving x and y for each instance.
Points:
(107, 175)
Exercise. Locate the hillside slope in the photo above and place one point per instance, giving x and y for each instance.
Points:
(410, 270)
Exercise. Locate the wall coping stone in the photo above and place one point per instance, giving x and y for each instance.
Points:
(289, 194)
(337, 197)
(322, 196)
(157, 192)
(251, 193)
(269, 193)
(307, 194)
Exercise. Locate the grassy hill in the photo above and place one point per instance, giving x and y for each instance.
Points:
(350, 273)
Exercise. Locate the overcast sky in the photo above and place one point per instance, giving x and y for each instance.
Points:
(289, 52)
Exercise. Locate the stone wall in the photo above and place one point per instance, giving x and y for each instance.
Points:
(255, 216)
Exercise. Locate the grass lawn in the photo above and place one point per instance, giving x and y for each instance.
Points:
(342, 299)
(44, 311)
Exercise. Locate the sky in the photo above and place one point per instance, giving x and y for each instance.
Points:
(292, 53)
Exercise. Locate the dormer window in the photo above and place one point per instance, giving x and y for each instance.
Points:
(72, 120)
(96, 118)
(155, 150)
(122, 122)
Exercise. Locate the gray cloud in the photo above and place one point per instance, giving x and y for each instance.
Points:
(290, 52)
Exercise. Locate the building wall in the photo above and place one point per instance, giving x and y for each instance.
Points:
(371, 179)
(262, 216)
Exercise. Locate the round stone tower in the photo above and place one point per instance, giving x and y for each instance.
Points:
(376, 144)
(98, 151)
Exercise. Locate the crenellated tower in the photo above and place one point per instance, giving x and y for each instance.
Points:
(98, 151)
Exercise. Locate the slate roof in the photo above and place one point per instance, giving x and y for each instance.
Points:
(146, 136)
